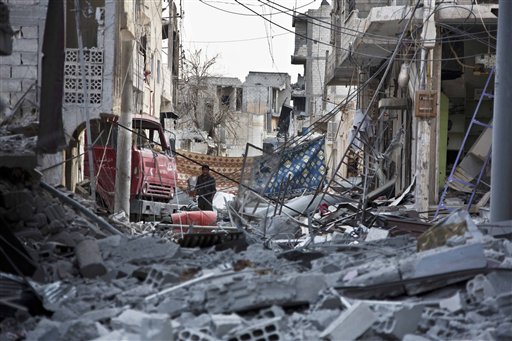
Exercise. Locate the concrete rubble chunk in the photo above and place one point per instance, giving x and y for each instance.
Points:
(453, 304)
(376, 233)
(224, 323)
(264, 330)
(132, 320)
(190, 334)
(119, 335)
(405, 321)
(443, 261)
(90, 262)
(351, 324)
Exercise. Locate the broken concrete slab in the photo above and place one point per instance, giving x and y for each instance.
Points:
(351, 324)
(133, 320)
(224, 323)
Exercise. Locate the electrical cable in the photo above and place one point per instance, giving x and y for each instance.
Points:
(242, 14)
(236, 40)
(341, 48)
(358, 33)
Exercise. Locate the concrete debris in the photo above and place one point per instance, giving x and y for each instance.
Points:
(327, 277)
(351, 324)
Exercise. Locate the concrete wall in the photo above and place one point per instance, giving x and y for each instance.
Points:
(21, 71)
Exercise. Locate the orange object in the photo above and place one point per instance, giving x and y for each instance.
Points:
(198, 218)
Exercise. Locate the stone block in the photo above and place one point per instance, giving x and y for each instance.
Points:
(24, 72)
(90, 262)
(352, 323)
(10, 85)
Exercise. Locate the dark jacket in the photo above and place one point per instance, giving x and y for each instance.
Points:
(205, 185)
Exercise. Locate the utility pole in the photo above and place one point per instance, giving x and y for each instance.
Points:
(124, 140)
(424, 129)
(85, 109)
(501, 168)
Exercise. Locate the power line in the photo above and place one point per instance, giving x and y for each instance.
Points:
(243, 14)
(350, 51)
(236, 40)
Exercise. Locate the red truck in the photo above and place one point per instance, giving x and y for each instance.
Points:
(153, 175)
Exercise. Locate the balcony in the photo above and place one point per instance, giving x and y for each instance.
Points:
(379, 32)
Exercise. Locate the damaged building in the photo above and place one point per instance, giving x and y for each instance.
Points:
(422, 121)
(231, 113)
(92, 54)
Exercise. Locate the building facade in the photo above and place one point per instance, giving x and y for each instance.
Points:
(417, 121)
(96, 33)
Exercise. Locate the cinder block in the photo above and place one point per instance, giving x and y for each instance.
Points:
(266, 330)
(15, 198)
(28, 58)
(25, 45)
(5, 72)
(24, 72)
(194, 335)
(351, 324)
(13, 59)
(30, 32)
(10, 85)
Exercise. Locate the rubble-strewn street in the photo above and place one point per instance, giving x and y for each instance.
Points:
(77, 281)
(359, 190)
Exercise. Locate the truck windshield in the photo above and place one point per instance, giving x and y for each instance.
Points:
(146, 136)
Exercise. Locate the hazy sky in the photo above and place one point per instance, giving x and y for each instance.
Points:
(241, 40)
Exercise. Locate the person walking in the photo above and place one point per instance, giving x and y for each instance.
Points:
(205, 189)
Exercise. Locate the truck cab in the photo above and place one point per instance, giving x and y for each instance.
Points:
(153, 176)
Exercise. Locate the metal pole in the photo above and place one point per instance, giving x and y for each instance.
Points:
(501, 168)
(92, 176)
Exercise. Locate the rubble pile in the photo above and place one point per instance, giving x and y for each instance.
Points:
(77, 281)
